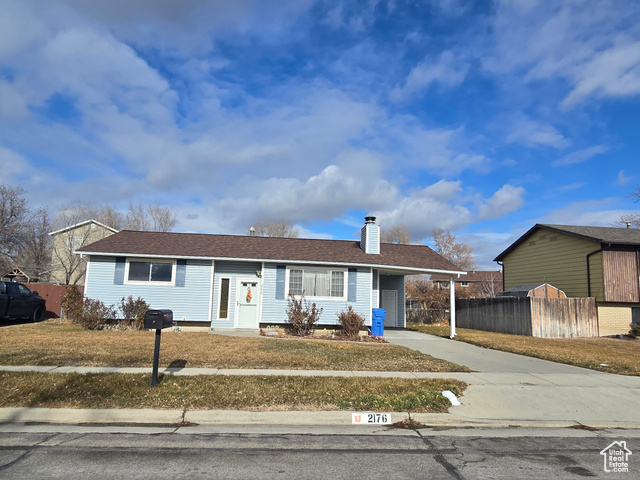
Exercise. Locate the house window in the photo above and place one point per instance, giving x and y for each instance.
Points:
(148, 271)
(74, 243)
(317, 283)
(223, 310)
(464, 284)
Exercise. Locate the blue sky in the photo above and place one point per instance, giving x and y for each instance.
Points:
(482, 118)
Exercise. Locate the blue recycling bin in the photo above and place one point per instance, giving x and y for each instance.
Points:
(377, 321)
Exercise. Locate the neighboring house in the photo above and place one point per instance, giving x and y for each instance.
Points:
(67, 268)
(600, 262)
(482, 283)
(226, 281)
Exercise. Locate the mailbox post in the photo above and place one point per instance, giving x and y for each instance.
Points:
(157, 319)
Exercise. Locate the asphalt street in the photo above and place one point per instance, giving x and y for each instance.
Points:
(80, 453)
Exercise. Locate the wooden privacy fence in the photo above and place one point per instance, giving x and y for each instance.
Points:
(52, 295)
(538, 317)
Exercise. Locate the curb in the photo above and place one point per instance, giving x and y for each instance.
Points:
(286, 419)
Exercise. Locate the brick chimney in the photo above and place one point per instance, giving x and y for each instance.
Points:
(370, 236)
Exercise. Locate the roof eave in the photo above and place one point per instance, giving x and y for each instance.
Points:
(400, 268)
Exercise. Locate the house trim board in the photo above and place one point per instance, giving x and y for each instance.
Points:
(409, 270)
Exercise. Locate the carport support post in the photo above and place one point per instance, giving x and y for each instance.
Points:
(156, 358)
(452, 308)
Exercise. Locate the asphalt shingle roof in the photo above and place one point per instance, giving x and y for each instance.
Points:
(413, 257)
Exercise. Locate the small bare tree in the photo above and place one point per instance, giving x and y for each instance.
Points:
(274, 228)
(14, 215)
(162, 218)
(395, 234)
(21, 241)
(632, 219)
(458, 253)
(492, 286)
(34, 255)
(67, 266)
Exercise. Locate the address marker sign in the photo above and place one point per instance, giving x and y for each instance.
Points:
(371, 418)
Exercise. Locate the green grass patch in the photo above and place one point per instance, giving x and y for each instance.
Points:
(55, 390)
(612, 355)
(62, 344)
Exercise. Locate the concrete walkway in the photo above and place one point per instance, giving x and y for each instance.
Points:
(504, 390)
(513, 389)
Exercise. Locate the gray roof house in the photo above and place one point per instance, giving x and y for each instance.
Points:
(229, 281)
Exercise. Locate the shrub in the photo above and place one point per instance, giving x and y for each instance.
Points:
(302, 315)
(90, 314)
(72, 304)
(133, 312)
(94, 314)
(635, 330)
(351, 323)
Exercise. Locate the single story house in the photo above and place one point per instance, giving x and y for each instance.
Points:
(582, 261)
(228, 281)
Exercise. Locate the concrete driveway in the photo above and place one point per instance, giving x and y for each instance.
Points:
(509, 389)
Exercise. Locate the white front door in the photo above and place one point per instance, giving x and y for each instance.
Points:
(248, 301)
(389, 301)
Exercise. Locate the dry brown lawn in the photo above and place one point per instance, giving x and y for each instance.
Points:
(62, 344)
(611, 355)
(52, 390)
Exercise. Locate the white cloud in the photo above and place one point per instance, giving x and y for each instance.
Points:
(592, 45)
(190, 27)
(506, 200)
(12, 103)
(448, 71)
(614, 72)
(623, 179)
(13, 165)
(580, 156)
(532, 133)
(590, 212)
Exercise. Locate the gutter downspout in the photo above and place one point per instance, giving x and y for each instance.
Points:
(589, 270)
(501, 264)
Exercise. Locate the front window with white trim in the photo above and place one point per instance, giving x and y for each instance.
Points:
(317, 282)
(150, 271)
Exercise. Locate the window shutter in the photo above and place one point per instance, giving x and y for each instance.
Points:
(281, 273)
(181, 272)
(352, 286)
(118, 278)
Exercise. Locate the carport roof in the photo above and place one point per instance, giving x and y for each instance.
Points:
(407, 258)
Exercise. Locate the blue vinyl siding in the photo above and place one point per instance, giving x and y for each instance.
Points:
(190, 302)
(274, 310)
(233, 271)
(396, 282)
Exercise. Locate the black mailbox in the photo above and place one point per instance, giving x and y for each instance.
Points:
(157, 319)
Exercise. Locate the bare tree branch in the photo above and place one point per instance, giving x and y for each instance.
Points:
(395, 234)
(631, 219)
(274, 228)
(458, 253)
